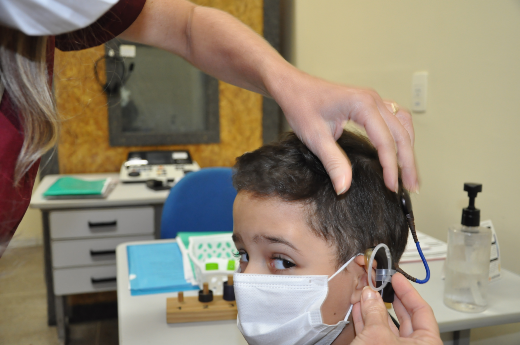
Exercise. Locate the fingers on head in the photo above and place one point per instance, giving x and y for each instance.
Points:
(401, 129)
(333, 159)
(379, 133)
(404, 116)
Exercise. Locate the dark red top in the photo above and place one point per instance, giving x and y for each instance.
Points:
(14, 201)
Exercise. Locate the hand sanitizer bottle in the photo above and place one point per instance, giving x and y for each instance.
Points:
(467, 262)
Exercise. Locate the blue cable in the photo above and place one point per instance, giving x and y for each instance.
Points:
(418, 281)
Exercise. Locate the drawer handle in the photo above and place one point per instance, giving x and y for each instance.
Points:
(102, 252)
(102, 224)
(103, 280)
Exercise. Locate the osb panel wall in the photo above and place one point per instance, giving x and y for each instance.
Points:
(84, 142)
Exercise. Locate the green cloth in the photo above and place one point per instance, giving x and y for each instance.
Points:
(74, 186)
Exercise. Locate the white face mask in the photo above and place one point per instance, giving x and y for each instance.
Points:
(284, 309)
(51, 17)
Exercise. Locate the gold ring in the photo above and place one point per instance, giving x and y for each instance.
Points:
(395, 108)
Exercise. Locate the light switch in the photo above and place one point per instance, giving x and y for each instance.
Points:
(419, 88)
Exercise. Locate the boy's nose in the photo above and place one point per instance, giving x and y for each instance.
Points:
(254, 267)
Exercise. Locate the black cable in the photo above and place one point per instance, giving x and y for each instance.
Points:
(396, 323)
(406, 205)
(112, 86)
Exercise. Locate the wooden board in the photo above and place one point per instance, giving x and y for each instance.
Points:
(191, 310)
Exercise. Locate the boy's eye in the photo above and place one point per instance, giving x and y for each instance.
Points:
(244, 257)
(282, 264)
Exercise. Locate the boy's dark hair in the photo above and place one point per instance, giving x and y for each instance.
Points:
(366, 215)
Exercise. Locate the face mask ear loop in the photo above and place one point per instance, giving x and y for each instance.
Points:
(344, 266)
(371, 262)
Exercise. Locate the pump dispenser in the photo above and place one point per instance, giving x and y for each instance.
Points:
(467, 261)
(471, 215)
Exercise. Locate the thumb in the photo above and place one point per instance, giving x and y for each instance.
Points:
(335, 162)
(373, 309)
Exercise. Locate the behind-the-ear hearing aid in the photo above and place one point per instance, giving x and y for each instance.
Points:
(384, 267)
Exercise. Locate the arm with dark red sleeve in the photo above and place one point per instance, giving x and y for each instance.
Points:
(119, 18)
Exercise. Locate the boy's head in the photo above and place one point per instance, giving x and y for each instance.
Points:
(289, 220)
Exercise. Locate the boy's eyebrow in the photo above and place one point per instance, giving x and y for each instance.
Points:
(236, 238)
(274, 239)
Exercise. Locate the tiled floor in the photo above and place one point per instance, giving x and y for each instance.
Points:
(23, 306)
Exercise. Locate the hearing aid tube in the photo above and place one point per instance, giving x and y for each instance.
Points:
(384, 272)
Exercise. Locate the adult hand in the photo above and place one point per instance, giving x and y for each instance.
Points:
(317, 109)
(417, 322)
(222, 46)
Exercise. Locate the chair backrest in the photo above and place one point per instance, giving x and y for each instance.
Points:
(201, 201)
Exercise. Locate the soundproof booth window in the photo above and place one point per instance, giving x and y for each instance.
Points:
(156, 98)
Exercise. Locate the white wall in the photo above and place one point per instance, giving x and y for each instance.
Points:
(471, 129)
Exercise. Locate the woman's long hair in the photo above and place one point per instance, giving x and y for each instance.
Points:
(23, 72)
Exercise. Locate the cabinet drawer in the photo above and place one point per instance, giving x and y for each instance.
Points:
(88, 252)
(84, 279)
(101, 222)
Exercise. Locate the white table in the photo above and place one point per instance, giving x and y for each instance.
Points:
(129, 197)
(503, 298)
(142, 319)
(124, 194)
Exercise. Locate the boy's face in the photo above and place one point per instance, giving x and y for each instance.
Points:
(272, 237)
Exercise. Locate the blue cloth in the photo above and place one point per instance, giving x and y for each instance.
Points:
(156, 268)
(201, 201)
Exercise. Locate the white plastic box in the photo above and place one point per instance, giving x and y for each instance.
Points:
(213, 259)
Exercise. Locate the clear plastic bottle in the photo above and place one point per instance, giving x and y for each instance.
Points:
(467, 261)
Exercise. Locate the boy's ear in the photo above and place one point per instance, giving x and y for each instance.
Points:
(361, 277)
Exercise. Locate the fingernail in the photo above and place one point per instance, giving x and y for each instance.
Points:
(416, 188)
(341, 188)
(396, 188)
(368, 293)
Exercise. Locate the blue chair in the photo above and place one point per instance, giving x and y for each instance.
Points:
(201, 201)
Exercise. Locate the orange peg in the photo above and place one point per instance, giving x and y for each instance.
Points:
(180, 296)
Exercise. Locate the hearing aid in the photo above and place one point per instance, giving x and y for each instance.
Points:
(385, 269)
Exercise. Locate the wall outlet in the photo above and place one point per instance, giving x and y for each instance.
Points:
(419, 90)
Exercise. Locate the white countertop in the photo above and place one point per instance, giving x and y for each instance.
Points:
(503, 298)
(124, 194)
(142, 319)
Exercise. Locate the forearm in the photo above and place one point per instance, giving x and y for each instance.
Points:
(213, 41)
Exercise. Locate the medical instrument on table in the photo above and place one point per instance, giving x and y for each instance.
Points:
(51, 17)
(204, 307)
(384, 268)
(467, 261)
(168, 167)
